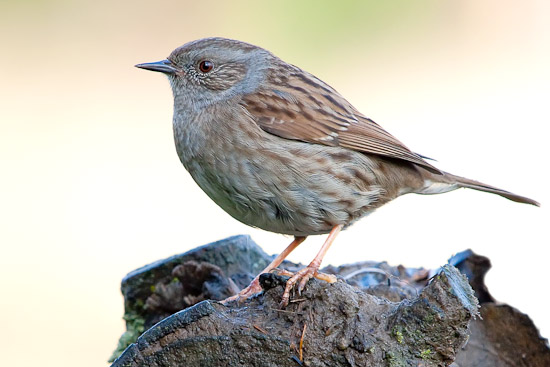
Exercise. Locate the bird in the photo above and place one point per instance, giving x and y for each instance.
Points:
(281, 150)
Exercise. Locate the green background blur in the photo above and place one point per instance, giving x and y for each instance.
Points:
(91, 187)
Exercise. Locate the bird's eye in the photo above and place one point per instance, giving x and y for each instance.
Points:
(206, 66)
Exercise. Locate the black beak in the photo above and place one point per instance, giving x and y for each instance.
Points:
(163, 66)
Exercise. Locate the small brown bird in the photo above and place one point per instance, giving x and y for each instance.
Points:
(281, 150)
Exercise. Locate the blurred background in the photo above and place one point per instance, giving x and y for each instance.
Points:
(91, 186)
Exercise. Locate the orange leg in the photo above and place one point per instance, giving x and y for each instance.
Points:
(254, 286)
(312, 269)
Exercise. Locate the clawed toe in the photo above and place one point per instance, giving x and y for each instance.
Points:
(246, 293)
(304, 281)
(303, 275)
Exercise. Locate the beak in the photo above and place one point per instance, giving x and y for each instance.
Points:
(163, 66)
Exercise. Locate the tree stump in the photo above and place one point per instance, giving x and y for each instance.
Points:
(375, 315)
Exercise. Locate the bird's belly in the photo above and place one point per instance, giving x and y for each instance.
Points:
(242, 198)
(298, 199)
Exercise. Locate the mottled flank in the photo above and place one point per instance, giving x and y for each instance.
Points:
(298, 196)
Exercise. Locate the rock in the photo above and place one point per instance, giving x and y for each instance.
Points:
(339, 326)
(375, 315)
(215, 270)
(503, 337)
(475, 267)
(157, 290)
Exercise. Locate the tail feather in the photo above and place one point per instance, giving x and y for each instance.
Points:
(471, 184)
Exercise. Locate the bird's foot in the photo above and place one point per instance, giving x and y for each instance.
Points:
(252, 289)
(303, 275)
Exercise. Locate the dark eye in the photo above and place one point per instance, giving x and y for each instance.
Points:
(205, 66)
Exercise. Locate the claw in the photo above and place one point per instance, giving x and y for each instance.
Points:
(254, 286)
(303, 275)
(246, 293)
(312, 269)
(304, 281)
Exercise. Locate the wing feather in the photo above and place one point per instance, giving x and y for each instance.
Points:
(304, 108)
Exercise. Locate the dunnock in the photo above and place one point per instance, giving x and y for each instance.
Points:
(281, 150)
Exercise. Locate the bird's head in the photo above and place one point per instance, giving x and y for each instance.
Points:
(211, 70)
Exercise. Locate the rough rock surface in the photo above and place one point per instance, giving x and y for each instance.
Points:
(503, 336)
(374, 315)
(341, 326)
(157, 290)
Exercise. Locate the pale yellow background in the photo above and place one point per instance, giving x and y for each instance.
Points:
(91, 187)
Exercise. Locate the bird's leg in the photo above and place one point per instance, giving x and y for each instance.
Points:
(254, 286)
(312, 269)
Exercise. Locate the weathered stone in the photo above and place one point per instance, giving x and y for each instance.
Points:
(343, 326)
(384, 316)
(503, 337)
(213, 271)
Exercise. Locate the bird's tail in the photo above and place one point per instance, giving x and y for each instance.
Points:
(447, 182)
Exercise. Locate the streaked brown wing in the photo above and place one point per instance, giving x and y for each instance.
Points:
(304, 108)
